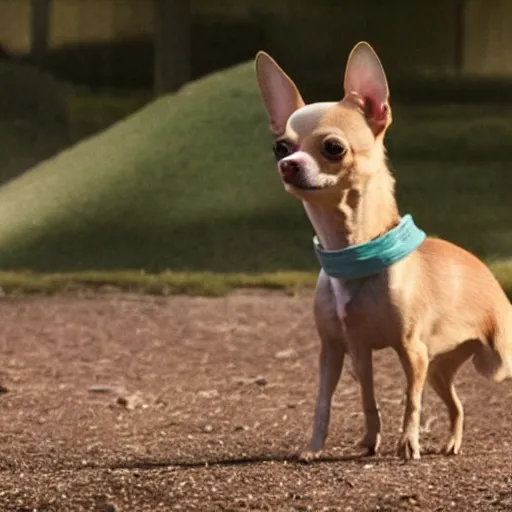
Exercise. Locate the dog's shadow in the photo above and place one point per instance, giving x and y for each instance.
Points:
(362, 459)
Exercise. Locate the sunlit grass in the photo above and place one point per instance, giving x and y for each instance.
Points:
(175, 283)
(164, 283)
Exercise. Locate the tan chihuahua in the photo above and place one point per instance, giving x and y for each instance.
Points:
(436, 307)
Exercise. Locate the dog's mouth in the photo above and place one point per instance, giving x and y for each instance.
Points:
(306, 184)
(303, 186)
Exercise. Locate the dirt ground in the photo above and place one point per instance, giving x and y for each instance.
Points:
(125, 403)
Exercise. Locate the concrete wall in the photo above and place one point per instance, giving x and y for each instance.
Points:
(99, 20)
(310, 37)
(487, 48)
(76, 21)
(14, 25)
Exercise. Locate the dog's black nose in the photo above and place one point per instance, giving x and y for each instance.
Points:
(289, 169)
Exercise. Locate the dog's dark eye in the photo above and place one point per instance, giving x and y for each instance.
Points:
(282, 149)
(333, 149)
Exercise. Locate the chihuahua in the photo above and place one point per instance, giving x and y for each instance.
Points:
(436, 306)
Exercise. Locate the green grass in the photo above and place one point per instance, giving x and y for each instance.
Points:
(93, 111)
(186, 188)
(34, 120)
(173, 283)
(164, 283)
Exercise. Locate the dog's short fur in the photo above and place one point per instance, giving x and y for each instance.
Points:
(436, 308)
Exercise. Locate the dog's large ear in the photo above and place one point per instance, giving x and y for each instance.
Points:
(366, 81)
(280, 95)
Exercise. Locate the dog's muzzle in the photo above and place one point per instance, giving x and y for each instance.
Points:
(290, 170)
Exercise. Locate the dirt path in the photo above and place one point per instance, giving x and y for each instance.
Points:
(125, 403)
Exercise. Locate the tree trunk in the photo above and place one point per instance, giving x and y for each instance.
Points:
(172, 44)
(39, 29)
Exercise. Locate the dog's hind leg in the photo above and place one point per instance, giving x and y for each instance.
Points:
(441, 374)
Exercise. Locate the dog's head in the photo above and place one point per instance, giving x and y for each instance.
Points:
(324, 148)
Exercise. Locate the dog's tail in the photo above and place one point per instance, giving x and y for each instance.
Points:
(494, 359)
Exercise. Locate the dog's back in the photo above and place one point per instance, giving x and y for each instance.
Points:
(448, 297)
(466, 303)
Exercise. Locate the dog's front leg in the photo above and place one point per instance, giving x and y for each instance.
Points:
(332, 356)
(363, 367)
(415, 361)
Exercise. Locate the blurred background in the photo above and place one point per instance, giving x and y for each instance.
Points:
(132, 135)
(129, 43)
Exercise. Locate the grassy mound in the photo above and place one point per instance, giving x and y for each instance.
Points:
(33, 118)
(188, 184)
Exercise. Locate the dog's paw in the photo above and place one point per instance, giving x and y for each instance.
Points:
(370, 444)
(409, 448)
(452, 447)
(307, 456)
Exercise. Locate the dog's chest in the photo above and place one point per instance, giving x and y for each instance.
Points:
(342, 296)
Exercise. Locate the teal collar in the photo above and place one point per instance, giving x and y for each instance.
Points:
(371, 258)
